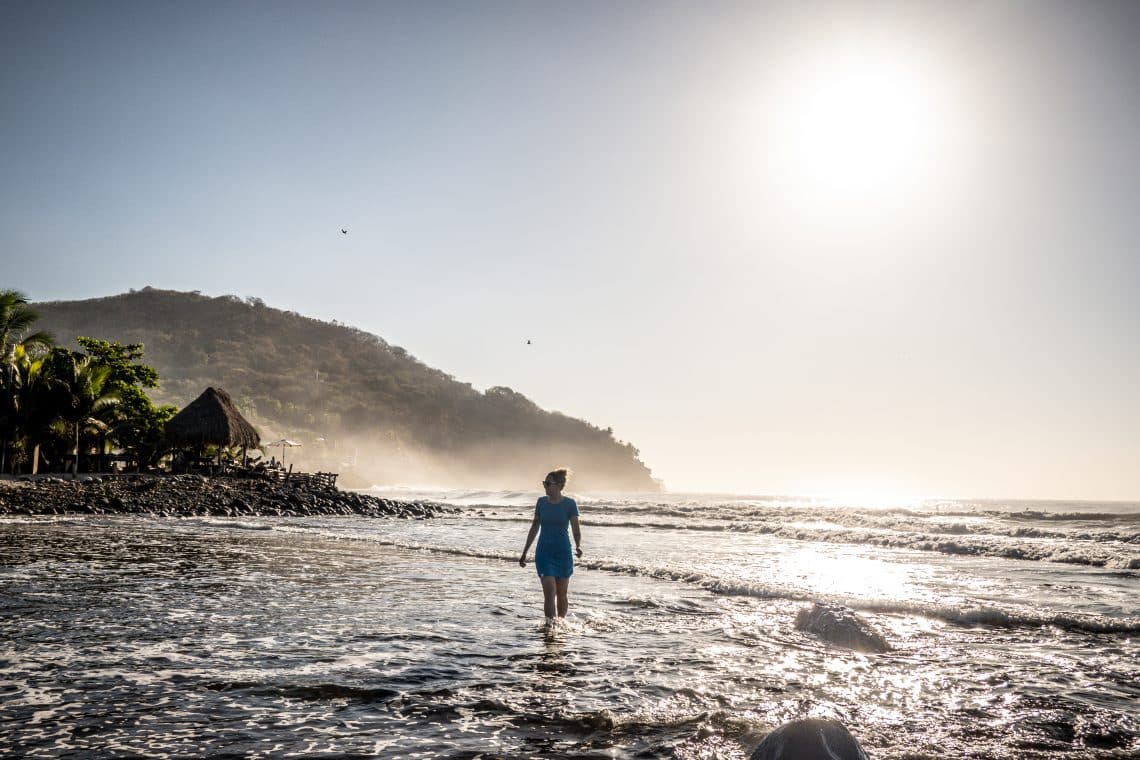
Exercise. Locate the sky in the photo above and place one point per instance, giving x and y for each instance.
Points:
(867, 250)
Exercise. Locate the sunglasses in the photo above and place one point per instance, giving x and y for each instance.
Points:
(549, 483)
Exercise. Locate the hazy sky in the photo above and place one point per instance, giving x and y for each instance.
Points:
(869, 249)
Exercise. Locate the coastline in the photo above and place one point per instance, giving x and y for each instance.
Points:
(196, 496)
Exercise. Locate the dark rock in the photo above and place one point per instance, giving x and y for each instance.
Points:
(810, 739)
(185, 495)
(841, 626)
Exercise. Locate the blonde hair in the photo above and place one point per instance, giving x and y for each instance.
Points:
(559, 476)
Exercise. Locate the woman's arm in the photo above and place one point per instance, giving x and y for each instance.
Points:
(577, 534)
(529, 538)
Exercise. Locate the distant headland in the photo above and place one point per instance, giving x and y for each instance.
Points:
(355, 403)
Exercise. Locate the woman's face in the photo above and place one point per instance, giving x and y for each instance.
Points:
(552, 486)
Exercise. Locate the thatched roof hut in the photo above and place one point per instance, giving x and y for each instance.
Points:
(211, 419)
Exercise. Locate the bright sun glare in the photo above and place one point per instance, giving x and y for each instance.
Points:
(855, 121)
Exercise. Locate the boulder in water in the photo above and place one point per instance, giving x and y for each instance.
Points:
(809, 739)
(841, 626)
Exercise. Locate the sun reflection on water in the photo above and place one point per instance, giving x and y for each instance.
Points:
(846, 574)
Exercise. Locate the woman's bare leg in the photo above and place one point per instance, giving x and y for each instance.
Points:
(548, 592)
(561, 586)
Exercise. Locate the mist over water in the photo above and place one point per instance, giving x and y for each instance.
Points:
(493, 464)
(1013, 630)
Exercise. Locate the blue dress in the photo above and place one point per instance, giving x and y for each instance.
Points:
(552, 556)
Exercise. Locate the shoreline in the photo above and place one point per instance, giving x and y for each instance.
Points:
(196, 496)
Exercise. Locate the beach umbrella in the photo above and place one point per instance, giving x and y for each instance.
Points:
(284, 443)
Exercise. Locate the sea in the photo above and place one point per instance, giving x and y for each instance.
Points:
(1014, 631)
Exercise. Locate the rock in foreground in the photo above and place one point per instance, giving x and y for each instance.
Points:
(810, 739)
(842, 627)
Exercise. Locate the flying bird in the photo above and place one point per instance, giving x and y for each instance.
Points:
(343, 231)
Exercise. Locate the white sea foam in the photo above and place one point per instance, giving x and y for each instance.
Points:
(214, 522)
(969, 614)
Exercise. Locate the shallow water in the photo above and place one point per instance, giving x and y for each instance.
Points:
(424, 639)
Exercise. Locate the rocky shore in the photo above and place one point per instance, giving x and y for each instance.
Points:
(196, 496)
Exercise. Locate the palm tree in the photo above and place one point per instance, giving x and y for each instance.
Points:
(84, 394)
(16, 319)
(33, 410)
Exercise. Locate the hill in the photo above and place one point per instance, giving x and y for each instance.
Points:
(348, 395)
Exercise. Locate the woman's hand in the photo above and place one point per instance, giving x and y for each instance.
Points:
(522, 561)
(578, 551)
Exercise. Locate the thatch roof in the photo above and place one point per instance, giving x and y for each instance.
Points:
(213, 419)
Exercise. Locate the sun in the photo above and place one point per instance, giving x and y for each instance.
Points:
(852, 121)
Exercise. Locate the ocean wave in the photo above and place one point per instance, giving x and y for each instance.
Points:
(979, 545)
(35, 519)
(967, 615)
(307, 692)
(1092, 549)
(681, 713)
(467, 498)
(224, 523)
(1116, 528)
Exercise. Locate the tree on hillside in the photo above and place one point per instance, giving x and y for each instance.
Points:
(17, 344)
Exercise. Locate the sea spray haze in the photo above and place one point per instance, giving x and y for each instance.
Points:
(1012, 631)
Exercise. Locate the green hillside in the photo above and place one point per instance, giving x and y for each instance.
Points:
(347, 395)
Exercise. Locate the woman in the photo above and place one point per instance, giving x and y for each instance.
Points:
(552, 558)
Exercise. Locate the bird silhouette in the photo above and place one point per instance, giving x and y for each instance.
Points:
(528, 342)
(343, 231)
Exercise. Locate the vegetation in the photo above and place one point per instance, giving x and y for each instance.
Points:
(56, 404)
(138, 425)
(347, 394)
